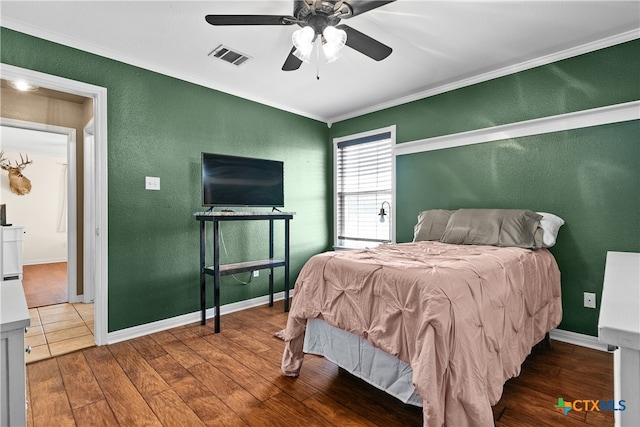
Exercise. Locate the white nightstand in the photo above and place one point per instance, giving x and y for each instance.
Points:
(12, 238)
(14, 319)
(619, 325)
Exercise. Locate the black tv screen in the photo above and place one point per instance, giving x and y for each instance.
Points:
(241, 181)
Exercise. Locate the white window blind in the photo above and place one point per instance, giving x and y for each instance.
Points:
(363, 183)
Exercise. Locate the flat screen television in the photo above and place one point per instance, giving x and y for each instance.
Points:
(241, 181)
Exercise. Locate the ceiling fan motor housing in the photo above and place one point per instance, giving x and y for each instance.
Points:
(319, 15)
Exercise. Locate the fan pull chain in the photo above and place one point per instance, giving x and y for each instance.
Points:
(318, 62)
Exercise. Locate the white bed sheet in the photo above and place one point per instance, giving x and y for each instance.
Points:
(357, 356)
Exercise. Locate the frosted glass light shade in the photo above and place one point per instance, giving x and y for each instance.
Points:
(333, 41)
(303, 41)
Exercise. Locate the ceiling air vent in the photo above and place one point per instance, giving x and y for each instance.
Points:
(229, 55)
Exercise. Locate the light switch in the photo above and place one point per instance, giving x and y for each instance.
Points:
(152, 183)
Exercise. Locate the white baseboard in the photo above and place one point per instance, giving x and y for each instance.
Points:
(578, 339)
(162, 325)
(185, 319)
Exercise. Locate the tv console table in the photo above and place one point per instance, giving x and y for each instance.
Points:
(216, 270)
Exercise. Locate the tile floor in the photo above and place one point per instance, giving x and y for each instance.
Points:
(59, 329)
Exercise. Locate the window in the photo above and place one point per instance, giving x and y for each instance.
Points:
(364, 179)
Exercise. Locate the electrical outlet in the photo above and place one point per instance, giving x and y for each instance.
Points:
(151, 183)
(590, 300)
(256, 273)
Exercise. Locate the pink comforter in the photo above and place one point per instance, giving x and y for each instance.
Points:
(463, 317)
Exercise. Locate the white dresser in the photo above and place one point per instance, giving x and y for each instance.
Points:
(12, 241)
(619, 325)
(14, 319)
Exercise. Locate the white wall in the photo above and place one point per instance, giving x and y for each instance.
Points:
(39, 211)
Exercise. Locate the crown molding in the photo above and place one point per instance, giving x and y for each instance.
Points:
(136, 62)
(511, 69)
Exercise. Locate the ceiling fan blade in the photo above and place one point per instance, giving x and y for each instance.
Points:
(292, 62)
(362, 6)
(249, 20)
(365, 44)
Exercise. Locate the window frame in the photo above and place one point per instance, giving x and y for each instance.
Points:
(391, 216)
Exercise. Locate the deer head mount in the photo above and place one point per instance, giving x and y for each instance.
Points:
(18, 183)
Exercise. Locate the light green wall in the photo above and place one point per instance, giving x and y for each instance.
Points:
(590, 176)
(158, 126)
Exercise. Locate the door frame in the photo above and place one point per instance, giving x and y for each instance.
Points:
(99, 172)
(89, 225)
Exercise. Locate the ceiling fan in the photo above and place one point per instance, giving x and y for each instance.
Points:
(318, 18)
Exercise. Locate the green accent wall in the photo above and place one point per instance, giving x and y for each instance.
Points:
(158, 126)
(590, 176)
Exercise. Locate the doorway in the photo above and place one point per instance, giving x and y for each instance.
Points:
(97, 168)
(47, 214)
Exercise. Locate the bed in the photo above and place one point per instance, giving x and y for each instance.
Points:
(458, 318)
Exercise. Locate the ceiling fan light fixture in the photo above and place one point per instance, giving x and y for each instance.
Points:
(317, 18)
(302, 56)
(335, 36)
(333, 40)
(303, 41)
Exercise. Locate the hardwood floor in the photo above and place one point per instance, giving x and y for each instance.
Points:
(189, 376)
(45, 284)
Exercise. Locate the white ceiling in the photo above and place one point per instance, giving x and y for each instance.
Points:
(437, 45)
(27, 141)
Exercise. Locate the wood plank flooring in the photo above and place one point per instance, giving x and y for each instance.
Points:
(189, 376)
(45, 284)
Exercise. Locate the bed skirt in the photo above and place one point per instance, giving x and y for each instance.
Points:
(357, 356)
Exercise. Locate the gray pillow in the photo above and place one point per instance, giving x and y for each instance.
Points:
(496, 227)
(431, 224)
